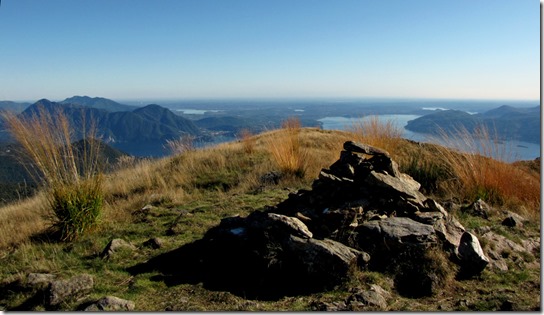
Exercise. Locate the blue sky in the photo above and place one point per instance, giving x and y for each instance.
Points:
(175, 49)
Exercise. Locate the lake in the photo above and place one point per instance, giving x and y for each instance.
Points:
(517, 150)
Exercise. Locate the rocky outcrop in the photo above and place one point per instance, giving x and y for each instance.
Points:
(361, 212)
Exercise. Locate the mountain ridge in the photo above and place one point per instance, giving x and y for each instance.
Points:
(154, 124)
(99, 103)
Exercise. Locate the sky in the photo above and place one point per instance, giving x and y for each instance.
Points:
(213, 49)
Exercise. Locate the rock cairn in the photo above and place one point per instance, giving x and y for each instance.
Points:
(361, 213)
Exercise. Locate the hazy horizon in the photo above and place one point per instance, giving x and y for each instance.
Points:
(150, 100)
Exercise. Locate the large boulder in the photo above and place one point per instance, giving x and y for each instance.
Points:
(472, 257)
(326, 258)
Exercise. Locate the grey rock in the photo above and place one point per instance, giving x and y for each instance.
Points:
(531, 245)
(292, 224)
(367, 298)
(472, 257)
(114, 246)
(501, 244)
(500, 248)
(39, 280)
(357, 147)
(427, 217)
(404, 185)
(514, 220)
(111, 304)
(63, 290)
(326, 257)
(398, 230)
(381, 291)
(329, 307)
(478, 208)
(449, 230)
(325, 176)
(154, 243)
(435, 206)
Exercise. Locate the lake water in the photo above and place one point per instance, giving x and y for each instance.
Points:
(517, 150)
(192, 111)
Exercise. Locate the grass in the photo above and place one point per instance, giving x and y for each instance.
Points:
(375, 132)
(70, 175)
(289, 155)
(483, 173)
(190, 193)
(248, 141)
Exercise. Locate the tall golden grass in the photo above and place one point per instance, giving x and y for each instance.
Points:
(382, 134)
(477, 162)
(286, 149)
(180, 145)
(70, 174)
(247, 139)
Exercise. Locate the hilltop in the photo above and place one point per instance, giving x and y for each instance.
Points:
(99, 103)
(170, 206)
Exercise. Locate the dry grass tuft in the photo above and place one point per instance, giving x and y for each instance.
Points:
(482, 172)
(70, 173)
(382, 134)
(248, 141)
(287, 151)
(181, 145)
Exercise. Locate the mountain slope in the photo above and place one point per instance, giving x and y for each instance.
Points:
(99, 103)
(150, 125)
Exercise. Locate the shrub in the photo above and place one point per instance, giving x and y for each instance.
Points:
(69, 173)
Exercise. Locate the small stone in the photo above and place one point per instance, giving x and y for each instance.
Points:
(154, 243)
(367, 298)
(111, 304)
(513, 220)
(116, 245)
(63, 290)
(478, 208)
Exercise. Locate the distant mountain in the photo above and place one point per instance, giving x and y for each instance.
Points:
(13, 106)
(151, 124)
(99, 103)
(510, 123)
